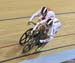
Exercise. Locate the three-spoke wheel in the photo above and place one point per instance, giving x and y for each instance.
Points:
(25, 37)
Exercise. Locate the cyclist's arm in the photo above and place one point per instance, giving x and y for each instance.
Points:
(39, 23)
(34, 15)
(47, 40)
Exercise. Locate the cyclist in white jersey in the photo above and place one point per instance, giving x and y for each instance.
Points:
(51, 26)
(43, 13)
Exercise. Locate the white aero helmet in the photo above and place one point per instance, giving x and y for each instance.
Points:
(44, 11)
(49, 22)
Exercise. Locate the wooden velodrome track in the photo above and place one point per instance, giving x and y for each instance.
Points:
(13, 25)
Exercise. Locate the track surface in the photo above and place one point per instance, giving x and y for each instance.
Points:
(13, 23)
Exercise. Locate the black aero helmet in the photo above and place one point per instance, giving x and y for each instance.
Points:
(44, 11)
(49, 22)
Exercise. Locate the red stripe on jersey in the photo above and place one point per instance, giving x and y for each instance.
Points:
(43, 18)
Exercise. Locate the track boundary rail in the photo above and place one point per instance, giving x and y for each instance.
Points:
(9, 59)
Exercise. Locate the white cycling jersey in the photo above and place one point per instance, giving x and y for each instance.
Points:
(52, 30)
(50, 14)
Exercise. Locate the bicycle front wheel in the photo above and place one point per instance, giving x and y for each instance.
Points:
(25, 37)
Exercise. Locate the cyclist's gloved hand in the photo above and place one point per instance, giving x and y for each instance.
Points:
(29, 22)
(32, 31)
(41, 41)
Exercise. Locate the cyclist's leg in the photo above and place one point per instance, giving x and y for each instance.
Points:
(56, 27)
